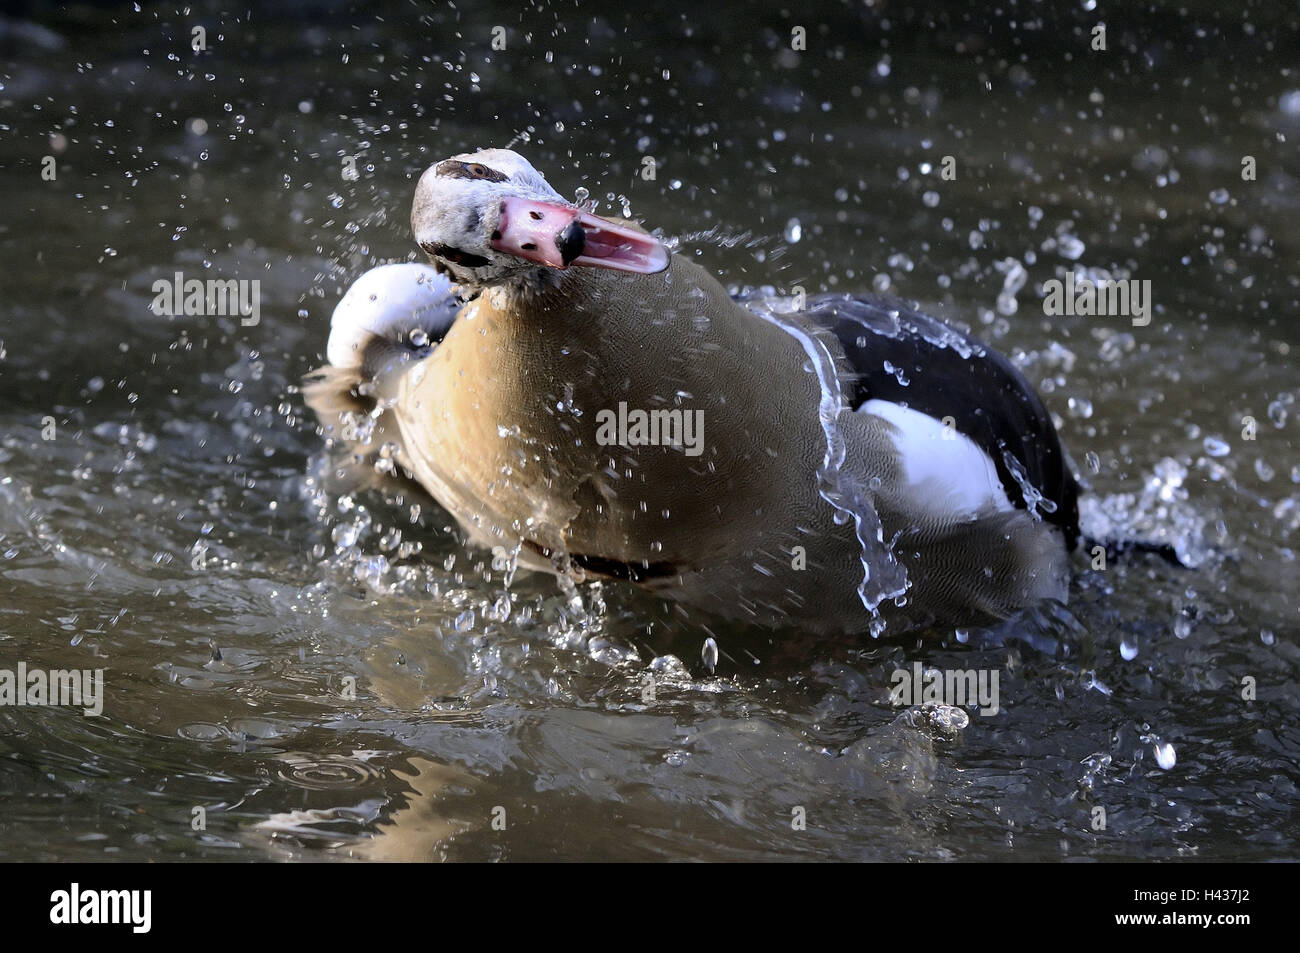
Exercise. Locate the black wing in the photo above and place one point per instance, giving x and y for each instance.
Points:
(943, 372)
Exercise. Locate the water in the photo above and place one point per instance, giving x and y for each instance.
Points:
(303, 670)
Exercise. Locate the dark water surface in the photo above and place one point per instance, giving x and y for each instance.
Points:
(171, 527)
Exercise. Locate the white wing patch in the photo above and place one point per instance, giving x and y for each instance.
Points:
(389, 302)
(948, 473)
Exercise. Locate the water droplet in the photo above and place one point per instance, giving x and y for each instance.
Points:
(1165, 755)
(1092, 683)
(1080, 407)
(1070, 247)
(709, 655)
(1128, 648)
(1216, 447)
(948, 717)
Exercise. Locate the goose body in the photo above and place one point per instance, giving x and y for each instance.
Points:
(852, 461)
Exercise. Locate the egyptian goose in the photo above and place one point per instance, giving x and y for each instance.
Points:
(575, 392)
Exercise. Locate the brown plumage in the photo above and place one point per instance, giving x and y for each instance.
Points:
(501, 422)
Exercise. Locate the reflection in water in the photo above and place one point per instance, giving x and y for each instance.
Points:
(413, 828)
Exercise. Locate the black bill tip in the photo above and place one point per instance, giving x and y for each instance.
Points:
(571, 241)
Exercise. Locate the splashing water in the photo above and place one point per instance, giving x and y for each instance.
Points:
(1160, 515)
(883, 577)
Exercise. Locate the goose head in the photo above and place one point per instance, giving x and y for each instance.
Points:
(489, 218)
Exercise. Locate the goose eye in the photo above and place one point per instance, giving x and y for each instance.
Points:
(456, 169)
